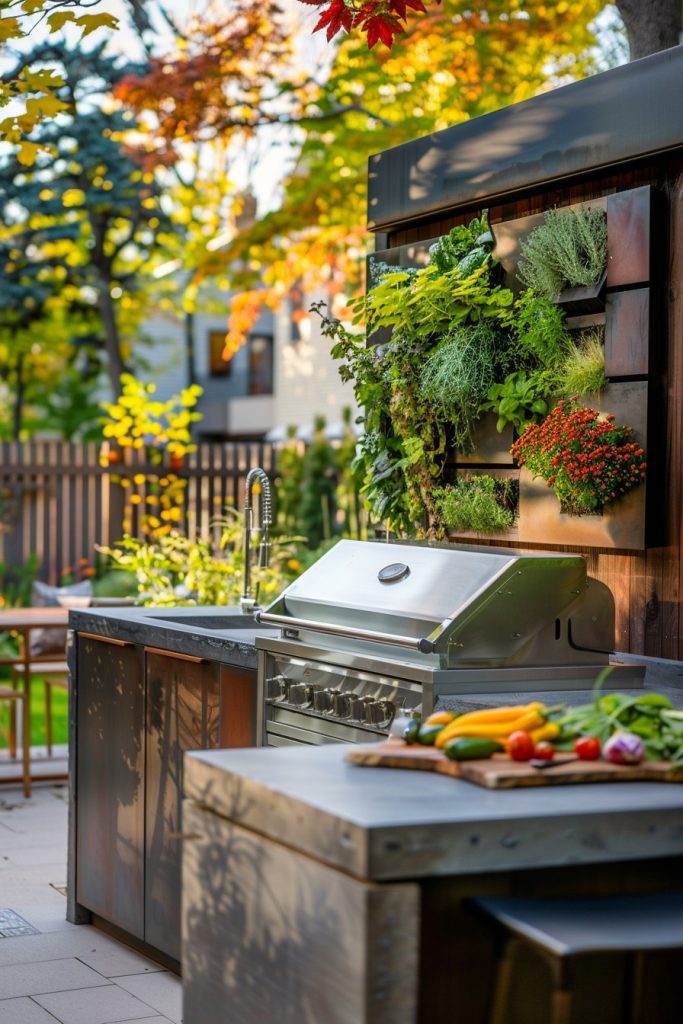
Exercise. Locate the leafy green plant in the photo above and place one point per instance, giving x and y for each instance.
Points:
(403, 452)
(466, 247)
(480, 503)
(569, 248)
(589, 461)
(518, 400)
(174, 570)
(457, 376)
(539, 330)
(318, 486)
(583, 371)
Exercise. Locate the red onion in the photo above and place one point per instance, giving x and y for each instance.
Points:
(624, 748)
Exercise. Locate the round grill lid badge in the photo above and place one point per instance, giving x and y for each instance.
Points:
(393, 573)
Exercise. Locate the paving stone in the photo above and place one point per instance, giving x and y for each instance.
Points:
(30, 979)
(163, 991)
(94, 1006)
(23, 1011)
(118, 962)
(82, 941)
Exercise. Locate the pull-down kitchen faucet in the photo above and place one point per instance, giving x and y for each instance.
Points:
(248, 600)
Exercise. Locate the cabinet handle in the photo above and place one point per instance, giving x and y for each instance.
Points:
(106, 639)
(176, 656)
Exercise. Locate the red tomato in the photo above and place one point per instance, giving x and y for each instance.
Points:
(587, 748)
(544, 751)
(520, 746)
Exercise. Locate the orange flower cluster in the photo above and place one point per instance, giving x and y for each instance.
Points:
(588, 461)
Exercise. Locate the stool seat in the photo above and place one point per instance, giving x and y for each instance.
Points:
(39, 668)
(571, 927)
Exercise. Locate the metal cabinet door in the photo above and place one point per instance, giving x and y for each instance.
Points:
(182, 714)
(110, 781)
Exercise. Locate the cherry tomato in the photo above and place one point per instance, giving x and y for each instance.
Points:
(520, 746)
(587, 748)
(544, 751)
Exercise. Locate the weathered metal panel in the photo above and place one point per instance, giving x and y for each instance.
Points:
(608, 120)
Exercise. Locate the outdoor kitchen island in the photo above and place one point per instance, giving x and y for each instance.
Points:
(318, 892)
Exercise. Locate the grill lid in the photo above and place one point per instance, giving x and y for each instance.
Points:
(466, 605)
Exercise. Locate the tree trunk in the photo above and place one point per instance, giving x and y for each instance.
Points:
(651, 25)
(112, 341)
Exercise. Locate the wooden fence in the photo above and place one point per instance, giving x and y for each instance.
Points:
(59, 500)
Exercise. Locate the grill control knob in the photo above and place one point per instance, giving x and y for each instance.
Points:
(358, 706)
(300, 695)
(341, 705)
(276, 687)
(322, 700)
(380, 713)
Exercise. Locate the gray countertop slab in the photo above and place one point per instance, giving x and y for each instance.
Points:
(382, 824)
(200, 634)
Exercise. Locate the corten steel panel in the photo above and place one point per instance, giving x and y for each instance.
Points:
(182, 714)
(603, 121)
(627, 333)
(110, 770)
(628, 237)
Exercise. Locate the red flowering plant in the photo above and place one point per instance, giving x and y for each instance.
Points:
(587, 459)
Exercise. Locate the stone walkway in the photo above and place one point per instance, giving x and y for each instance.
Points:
(66, 973)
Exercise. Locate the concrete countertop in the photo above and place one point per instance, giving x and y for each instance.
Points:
(220, 634)
(381, 824)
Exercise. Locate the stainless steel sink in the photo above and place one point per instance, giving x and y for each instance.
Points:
(215, 622)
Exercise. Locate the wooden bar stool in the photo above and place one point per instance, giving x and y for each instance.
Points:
(17, 695)
(56, 674)
(563, 930)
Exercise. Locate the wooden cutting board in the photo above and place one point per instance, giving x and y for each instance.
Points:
(499, 772)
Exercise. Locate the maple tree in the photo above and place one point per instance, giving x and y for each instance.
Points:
(650, 27)
(32, 91)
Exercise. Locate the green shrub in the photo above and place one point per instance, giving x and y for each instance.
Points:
(583, 372)
(569, 248)
(539, 331)
(457, 376)
(483, 504)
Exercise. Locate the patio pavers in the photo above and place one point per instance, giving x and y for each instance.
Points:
(65, 973)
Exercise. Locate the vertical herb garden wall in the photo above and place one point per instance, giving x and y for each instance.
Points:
(505, 384)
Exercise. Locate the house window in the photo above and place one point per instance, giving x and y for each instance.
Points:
(260, 361)
(218, 366)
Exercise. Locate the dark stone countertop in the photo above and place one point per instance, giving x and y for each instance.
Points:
(380, 824)
(220, 634)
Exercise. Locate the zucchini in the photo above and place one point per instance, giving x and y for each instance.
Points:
(411, 730)
(428, 733)
(471, 748)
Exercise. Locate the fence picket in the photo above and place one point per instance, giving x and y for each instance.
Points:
(58, 501)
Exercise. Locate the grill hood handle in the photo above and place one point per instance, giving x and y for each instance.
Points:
(421, 644)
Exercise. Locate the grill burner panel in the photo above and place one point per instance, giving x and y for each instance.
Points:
(375, 630)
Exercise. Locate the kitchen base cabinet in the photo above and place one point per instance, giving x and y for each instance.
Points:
(183, 703)
(110, 773)
(136, 708)
(319, 892)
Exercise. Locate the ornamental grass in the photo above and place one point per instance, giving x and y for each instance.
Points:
(588, 460)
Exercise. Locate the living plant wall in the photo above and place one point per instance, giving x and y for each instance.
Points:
(505, 381)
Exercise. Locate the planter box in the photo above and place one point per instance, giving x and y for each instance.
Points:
(622, 524)
(490, 447)
(583, 300)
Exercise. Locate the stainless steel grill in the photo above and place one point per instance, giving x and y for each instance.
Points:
(372, 630)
